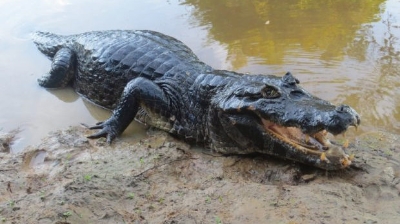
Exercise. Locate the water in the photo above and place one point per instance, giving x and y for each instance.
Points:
(342, 51)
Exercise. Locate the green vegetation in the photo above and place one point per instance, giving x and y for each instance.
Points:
(218, 220)
(208, 200)
(131, 195)
(66, 214)
(87, 177)
(42, 195)
(11, 203)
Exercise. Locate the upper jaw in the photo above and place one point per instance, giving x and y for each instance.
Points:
(335, 120)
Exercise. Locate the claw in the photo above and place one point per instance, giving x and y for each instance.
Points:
(346, 144)
(109, 139)
(323, 157)
(96, 127)
(102, 133)
(107, 131)
(85, 125)
(99, 125)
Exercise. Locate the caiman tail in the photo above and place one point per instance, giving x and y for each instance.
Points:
(64, 60)
(48, 43)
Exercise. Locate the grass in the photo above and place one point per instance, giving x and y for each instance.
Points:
(208, 200)
(218, 220)
(87, 177)
(66, 214)
(131, 196)
(42, 195)
(11, 203)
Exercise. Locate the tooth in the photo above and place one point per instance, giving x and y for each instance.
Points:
(346, 144)
(345, 162)
(327, 142)
(323, 156)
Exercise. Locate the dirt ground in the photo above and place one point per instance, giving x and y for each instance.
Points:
(70, 179)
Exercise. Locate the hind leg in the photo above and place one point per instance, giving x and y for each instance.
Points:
(62, 70)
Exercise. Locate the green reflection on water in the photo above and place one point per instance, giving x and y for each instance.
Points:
(267, 29)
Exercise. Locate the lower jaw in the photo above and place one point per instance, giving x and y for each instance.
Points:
(331, 157)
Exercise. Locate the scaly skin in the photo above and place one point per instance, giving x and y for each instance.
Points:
(159, 81)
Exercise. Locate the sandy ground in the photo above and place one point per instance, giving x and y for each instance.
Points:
(70, 179)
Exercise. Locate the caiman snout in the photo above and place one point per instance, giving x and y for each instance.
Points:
(347, 109)
(343, 117)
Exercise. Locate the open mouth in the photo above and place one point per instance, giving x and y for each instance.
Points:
(316, 144)
(293, 135)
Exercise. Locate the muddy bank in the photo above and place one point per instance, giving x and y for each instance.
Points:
(70, 179)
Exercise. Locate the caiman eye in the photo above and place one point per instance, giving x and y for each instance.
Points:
(270, 92)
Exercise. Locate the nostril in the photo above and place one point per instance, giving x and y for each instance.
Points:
(296, 94)
(342, 108)
(348, 110)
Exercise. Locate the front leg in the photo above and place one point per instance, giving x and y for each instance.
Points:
(138, 92)
(62, 70)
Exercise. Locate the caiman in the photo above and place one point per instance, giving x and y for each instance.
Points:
(158, 80)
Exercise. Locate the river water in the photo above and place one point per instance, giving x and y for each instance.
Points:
(342, 51)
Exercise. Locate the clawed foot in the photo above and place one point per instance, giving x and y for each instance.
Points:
(108, 130)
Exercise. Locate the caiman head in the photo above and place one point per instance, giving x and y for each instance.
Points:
(274, 115)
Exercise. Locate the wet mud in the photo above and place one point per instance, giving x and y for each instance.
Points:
(70, 179)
